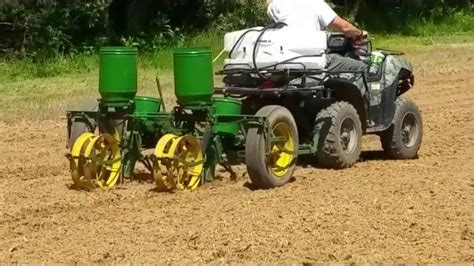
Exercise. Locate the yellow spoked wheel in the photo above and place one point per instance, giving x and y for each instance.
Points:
(189, 162)
(282, 152)
(77, 160)
(164, 162)
(179, 163)
(95, 161)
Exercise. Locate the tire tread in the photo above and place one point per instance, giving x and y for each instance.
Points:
(328, 155)
(390, 143)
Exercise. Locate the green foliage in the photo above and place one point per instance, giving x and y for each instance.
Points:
(162, 35)
(418, 18)
(240, 16)
(58, 29)
(441, 20)
(43, 31)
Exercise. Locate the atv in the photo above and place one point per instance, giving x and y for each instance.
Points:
(284, 67)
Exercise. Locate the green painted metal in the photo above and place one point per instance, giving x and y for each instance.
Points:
(193, 76)
(213, 156)
(143, 122)
(118, 74)
(147, 105)
(225, 106)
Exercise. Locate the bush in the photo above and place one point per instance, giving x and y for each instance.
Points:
(40, 30)
(239, 16)
(43, 31)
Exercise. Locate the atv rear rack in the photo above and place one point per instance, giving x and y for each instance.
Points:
(248, 69)
(238, 92)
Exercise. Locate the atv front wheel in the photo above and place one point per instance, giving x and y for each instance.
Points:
(271, 151)
(403, 139)
(339, 136)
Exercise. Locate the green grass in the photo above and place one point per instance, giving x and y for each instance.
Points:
(414, 43)
(35, 91)
(443, 20)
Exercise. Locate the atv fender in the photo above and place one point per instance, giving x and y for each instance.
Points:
(396, 69)
(397, 78)
(346, 90)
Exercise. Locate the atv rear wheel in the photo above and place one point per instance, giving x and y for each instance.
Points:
(403, 139)
(271, 153)
(339, 136)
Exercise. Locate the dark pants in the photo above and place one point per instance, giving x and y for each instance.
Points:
(339, 63)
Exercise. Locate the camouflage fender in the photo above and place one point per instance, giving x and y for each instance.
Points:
(393, 66)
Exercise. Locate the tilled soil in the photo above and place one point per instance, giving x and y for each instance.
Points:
(380, 210)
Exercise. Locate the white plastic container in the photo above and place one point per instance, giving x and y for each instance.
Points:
(288, 44)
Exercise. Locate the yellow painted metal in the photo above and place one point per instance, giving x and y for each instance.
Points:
(96, 161)
(181, 161)
(104, 165)
(164, 182)
(76, 164)
(189, 162)
(282, 152)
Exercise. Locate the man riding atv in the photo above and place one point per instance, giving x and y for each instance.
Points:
(328, 88)
(317, 15)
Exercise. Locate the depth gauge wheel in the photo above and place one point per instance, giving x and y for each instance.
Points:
(271, 153)
(339, 133)
(403, 139)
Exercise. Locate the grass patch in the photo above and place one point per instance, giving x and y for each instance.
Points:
(414, 43)
(442, 20)
(17, 70)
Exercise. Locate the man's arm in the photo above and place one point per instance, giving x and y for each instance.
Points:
(341, 25)
(329, 19)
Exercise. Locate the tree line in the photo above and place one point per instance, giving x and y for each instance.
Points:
(34, 28)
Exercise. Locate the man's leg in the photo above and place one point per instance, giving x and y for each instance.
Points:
(338, 63)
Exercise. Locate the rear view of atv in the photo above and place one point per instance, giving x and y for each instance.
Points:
(280, 73)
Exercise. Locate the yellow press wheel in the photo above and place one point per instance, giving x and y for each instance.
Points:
(181, 160)
(189, 162)
(96, 161)
(163, 162)
(104, 166)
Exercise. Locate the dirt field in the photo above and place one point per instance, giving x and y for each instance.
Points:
(380, 210)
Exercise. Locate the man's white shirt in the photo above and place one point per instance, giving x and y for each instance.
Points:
(311, 14)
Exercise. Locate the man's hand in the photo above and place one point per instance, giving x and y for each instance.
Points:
(360, 44)
(362, 36)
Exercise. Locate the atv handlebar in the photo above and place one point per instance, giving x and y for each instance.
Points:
(338, 43)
